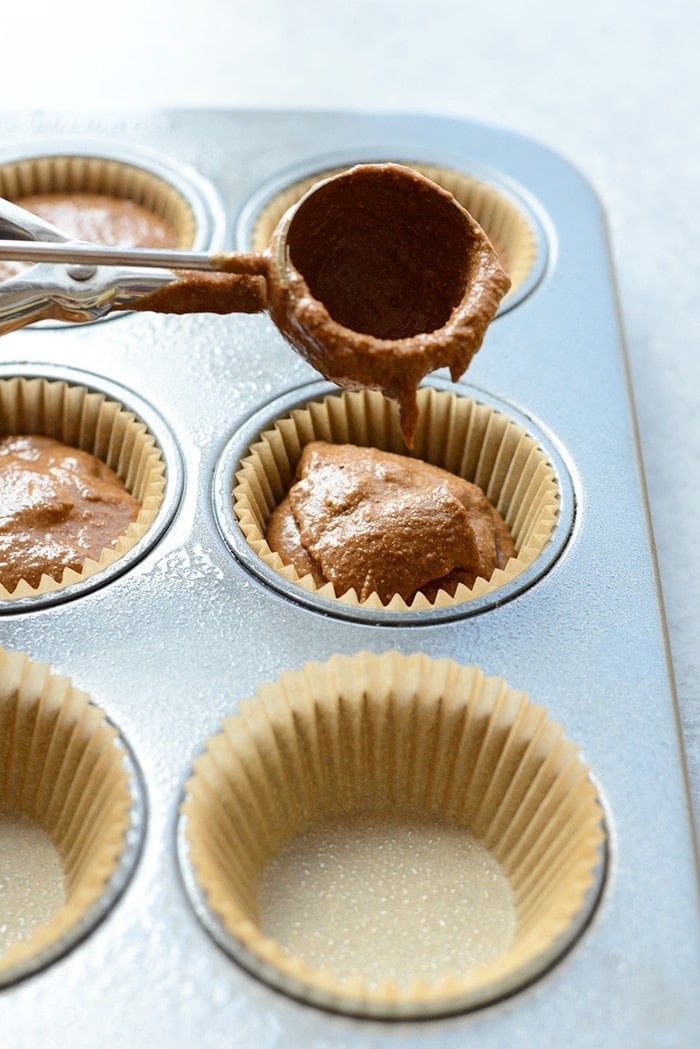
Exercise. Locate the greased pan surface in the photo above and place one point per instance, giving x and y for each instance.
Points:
(169, 646)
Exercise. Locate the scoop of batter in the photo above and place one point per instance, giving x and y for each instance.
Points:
(377, 277)
(59, 506)
(374, 521)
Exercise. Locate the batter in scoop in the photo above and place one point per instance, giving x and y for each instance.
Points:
(59, 506)
(377, 277)
(374, 521)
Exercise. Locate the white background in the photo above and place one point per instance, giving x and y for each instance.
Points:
(614, 88)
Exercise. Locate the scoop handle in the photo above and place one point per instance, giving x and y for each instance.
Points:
(22, 305)
(97, 279)
(18, 247)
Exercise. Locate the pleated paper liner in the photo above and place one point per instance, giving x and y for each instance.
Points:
(505, 224)
(90, 421)
(65, 772)
(80, 173)
(468, 438)
(404, 742)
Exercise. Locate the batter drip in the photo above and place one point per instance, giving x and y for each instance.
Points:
(376, 277)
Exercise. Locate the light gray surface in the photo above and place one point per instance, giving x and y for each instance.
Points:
(171, 646)
(614, 89)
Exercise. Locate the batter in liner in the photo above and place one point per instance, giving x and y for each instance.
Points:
(59, 506)
(375, 521)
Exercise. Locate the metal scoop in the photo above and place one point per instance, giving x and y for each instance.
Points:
(65, 283)
(377, 276)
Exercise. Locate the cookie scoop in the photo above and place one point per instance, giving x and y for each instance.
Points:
(377, 276)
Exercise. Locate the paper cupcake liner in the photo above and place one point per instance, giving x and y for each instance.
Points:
(504, 223)
(403, 736)
(90, 421)
(64, 769)
(468, 438)
(79, 173)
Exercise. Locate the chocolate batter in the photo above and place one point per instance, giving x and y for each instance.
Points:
(59, 506)
(374, 521)
(102, 219)
(377, 277)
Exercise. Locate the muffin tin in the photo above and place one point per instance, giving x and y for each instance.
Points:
(168, 641)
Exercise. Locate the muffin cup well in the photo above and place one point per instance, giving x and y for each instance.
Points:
(91, 421)
(81, 173)
(505, 223)
(401, 736)
(470, 439)
(64, 768)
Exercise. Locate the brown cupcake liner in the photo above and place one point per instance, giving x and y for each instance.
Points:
(90, 421)
(63, 769)
(403, 736)
(468, 438)
(79, 173)
(504, 223)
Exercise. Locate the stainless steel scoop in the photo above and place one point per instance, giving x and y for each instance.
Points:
(73, 280)
(377, 276)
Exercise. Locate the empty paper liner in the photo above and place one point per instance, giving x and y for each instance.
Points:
(69, 801)
(471, 439)
(393, 836)
(88, 420)
(505, 224)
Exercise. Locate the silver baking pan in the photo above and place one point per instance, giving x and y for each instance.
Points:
(170, 640)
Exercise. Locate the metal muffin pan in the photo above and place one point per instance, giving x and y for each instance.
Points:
(169, 646)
